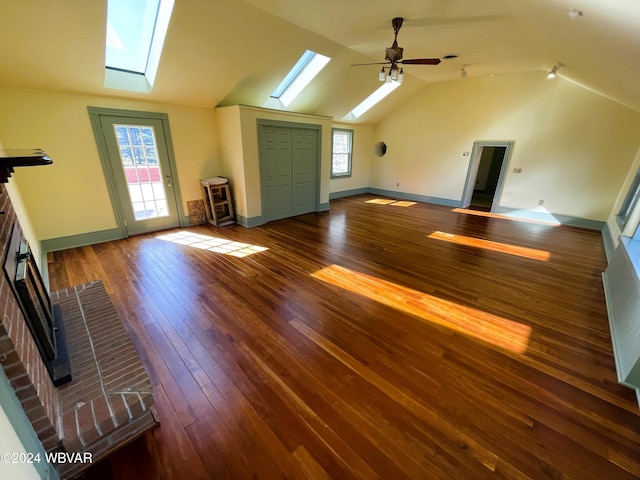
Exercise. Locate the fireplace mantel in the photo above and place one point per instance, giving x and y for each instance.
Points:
(11, 158)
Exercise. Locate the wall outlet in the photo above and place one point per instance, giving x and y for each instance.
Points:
(397, 184)
(517, 170)
(540, 202)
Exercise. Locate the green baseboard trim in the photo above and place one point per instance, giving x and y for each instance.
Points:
(552, 217)
(249, 222)
(581, 222)
(607, 241)
(348, 193)
(91, 238)
(80, 240)
(447, 202)
(257, 221)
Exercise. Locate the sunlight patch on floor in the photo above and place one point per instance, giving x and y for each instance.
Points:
(212, 244)
(380, 201)
(534, 254)
(395, 203)
(517, 216)
(493, 329)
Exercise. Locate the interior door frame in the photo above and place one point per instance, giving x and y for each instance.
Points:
(262, 123)
(94, 114)
(474, 164)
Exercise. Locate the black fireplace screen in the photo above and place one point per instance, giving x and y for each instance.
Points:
(45, 322)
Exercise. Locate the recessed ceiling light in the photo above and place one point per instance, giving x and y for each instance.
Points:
(450, 56)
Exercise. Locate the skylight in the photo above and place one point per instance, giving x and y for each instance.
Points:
(299, 76)
(372, 99)
(135, 35)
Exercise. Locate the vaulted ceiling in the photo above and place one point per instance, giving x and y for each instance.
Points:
(223, 52)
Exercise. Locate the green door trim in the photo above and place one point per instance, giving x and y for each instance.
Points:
(262, 123)
(94, 115)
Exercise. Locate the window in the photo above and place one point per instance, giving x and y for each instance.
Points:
(135, 35)
(629, 204)
(341, 152)
(307, 67)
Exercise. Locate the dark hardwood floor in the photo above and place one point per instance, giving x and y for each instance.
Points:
(372, 341)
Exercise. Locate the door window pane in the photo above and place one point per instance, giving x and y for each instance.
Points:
(142, 171)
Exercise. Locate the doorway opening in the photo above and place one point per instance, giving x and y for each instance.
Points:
(485, 177)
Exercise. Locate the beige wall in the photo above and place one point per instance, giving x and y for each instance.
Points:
(574, 147)
(242, 160)
(70, 197)
(231, 155)
(362, 153)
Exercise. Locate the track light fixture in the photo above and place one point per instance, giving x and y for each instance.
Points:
(554, 70)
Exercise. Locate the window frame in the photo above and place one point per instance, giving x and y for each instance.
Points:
(348, 131)
(117, 75)
(629, 204)
(308, 66)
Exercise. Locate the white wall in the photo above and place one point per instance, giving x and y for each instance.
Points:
(574, 147)
(70, 197)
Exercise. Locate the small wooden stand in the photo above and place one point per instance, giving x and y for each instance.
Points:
(217, 201)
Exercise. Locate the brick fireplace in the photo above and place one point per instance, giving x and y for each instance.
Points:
(109, 400)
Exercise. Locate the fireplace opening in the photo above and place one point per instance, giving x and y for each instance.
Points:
(45, 321)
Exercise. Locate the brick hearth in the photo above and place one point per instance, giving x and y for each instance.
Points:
(109, 401)
(110, 398)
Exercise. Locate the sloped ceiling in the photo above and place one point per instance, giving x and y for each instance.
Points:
(223, 52)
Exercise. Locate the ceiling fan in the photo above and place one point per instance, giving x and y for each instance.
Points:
(393, 57)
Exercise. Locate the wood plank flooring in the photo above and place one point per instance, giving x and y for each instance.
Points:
(374, 341)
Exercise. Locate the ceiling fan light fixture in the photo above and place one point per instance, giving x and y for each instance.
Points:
(393, 58)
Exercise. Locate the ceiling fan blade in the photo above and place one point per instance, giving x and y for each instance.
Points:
(420, 61)
(376, 63)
